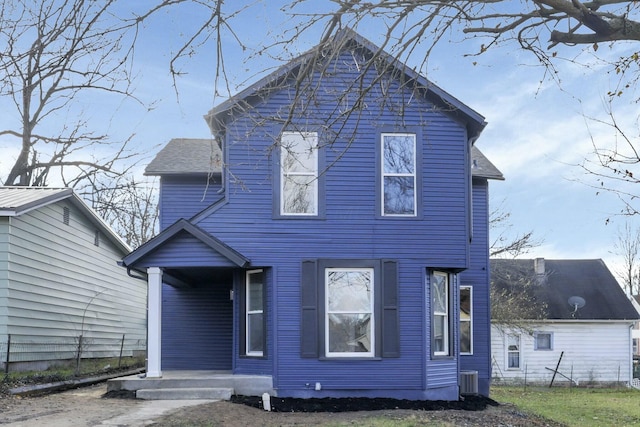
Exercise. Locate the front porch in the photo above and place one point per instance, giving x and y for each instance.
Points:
(180, 385)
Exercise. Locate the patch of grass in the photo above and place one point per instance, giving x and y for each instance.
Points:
(584, 407)
(63, 372)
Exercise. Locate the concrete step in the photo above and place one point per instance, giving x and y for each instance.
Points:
(193, 393)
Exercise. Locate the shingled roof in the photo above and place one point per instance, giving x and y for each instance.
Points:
(482, 167)
(187, 156)
(560, 280)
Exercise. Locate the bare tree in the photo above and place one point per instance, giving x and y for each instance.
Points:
(503, 242)
(514, 289)
(516, 295)
(53, 56)
(627, 246)
(128, 204)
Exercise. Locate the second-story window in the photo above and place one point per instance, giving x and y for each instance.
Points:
(299, 173)
(398, 174)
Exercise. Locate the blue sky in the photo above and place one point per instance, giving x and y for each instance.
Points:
(536, 134)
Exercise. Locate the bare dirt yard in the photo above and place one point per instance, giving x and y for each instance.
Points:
(88, 407)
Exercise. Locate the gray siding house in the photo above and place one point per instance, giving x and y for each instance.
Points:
(59, 280)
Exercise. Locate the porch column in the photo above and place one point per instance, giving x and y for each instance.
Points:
(154, 322)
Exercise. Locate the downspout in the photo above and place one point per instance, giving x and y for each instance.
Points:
(136, 274)
(143, 277)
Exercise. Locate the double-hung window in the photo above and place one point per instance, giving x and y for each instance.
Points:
(254, 313)
(399, 174)
(513, 351)
(349, 309)
(440, 309)
(299, 173)
(349, 316)
(466, 320)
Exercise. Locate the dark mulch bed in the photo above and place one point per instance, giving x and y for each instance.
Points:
(467, 403)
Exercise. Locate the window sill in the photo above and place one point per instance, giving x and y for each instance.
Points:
(448, 357)
(348, 358)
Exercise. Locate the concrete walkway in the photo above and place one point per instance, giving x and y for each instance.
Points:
(85, 407)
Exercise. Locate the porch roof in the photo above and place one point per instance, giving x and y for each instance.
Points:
(182, 225)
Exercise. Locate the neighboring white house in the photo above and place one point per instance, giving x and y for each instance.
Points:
(586, 336)
(59, 280)
(635, 333)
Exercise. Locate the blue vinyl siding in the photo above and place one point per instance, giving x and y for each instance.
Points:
(348, 229)
(477, 276)
(185, 250)
(183, 197)
(351, 230)
(197, 327)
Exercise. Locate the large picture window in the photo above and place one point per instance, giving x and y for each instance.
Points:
(349, 314)
(299, 173)
(254, 313)
(398, 174)
(440, 308)
(349, 309)
(466, 320)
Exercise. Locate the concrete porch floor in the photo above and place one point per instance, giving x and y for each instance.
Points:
(193, 385)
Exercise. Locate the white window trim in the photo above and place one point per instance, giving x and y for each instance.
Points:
(414, 175)
(359, 354)
(445, 314)
(535, 340)
(249, 312)
(506, 348)
(470, 321)
(314, 174)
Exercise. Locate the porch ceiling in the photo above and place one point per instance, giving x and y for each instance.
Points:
(200, 276)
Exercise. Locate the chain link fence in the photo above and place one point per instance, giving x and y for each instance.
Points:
(20, 353)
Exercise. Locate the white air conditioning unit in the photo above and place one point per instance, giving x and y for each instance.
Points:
(468, 382)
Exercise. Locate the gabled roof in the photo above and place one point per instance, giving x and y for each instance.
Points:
(178, 227)
(588, 279)
(187, 156)
(16, 201)
(221, 113)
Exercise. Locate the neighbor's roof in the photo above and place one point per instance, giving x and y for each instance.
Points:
(16, 201)
(183, 156)
(589, 279)
(223, 111)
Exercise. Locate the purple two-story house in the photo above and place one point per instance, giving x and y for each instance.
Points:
(332, 235)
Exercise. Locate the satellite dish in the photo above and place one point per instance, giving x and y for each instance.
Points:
(576, 302)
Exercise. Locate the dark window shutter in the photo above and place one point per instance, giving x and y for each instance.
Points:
(309, 314)
(390, 320)
(240, 297)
